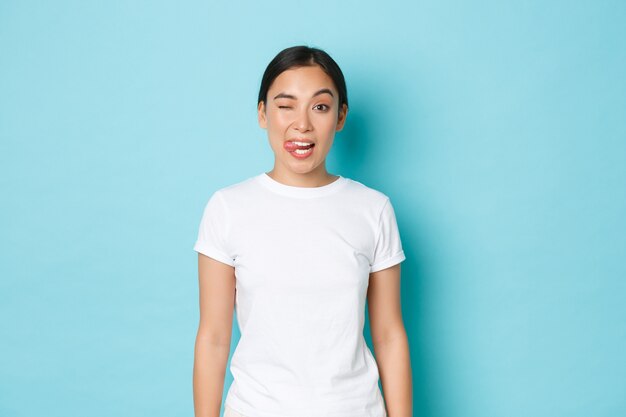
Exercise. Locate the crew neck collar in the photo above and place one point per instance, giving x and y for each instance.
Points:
(300, 192)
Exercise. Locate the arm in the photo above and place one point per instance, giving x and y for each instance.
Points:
(217, 299)
(390, 341)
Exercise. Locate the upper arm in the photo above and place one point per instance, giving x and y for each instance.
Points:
(383, 298)
(217, 299)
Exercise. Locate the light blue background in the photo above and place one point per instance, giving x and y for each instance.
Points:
(498, 129)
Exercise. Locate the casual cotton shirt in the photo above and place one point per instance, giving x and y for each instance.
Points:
(302, 258)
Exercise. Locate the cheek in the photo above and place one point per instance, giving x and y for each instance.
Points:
(327, 124)
(279, 120)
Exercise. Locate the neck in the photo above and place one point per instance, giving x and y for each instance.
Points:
(316, 178)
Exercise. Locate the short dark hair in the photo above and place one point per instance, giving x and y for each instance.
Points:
(303, 56)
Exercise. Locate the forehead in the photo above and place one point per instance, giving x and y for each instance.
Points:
(302, 79)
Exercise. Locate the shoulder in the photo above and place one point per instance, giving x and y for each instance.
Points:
(234, 190)
(366, 194)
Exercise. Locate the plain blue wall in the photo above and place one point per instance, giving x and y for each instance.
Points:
(498, 129)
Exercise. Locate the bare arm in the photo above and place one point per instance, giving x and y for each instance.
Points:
(390, 341)
(217, 299)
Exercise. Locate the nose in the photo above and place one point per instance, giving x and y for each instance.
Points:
(302, 122)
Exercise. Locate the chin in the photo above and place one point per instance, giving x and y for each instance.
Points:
(302, 168)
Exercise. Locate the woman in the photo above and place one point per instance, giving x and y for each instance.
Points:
(296, 251)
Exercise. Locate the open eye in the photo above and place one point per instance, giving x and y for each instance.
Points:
(324, 107)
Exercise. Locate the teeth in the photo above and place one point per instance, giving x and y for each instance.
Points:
(302, 151)
(301, 143)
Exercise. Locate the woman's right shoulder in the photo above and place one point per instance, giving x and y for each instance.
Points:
(236, 189)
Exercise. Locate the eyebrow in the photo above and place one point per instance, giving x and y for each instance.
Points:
(322, 91)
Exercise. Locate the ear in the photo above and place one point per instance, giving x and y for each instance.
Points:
(341, 120)
(261, 115)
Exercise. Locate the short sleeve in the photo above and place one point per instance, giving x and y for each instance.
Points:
(388, 251)
(212, 234)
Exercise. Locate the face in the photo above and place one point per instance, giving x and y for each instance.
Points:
(301, 117)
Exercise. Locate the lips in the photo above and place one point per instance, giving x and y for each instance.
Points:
(292, 145)
(299, 149)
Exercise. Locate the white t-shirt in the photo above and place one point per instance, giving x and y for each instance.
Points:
(302, 259)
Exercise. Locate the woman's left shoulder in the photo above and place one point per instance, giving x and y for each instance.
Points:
(366, 192)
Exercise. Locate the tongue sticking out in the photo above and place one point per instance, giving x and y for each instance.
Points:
(290, 146)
